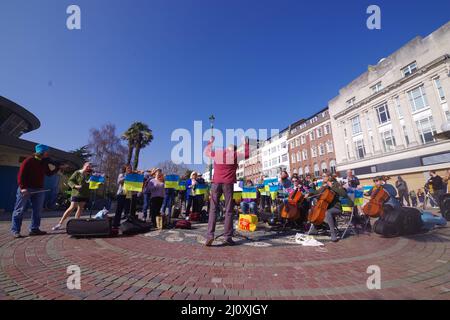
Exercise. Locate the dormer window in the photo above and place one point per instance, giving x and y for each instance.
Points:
(377, 88)
(351, 102)
(409, 70)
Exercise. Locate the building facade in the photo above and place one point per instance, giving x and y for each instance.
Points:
(275, 154)
(311, 146)
(252, 166)
(385, 121)
(14, 122)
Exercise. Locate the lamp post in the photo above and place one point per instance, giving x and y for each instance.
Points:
(211, 121)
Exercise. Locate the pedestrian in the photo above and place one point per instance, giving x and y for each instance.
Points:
(190, 193)
(30, 180)
(123, 203)
(79, 182)
(421, 196)
(413, 196)
(438, 186)
(157, 190)
(199, 200)
(169, 198)
(225, 166)
(402, 188)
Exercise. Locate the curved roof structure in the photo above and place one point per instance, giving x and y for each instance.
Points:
(16, 120)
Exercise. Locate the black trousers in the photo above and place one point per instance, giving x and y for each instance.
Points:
(155, 208)
(122, 204)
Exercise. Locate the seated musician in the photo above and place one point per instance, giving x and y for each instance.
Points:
(304, 206)
(390, 189)
(248, 205)
(334, 207)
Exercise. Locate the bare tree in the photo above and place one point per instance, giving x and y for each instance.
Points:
(108, 154)
(168, 167)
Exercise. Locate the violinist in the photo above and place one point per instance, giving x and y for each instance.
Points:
(334, 207)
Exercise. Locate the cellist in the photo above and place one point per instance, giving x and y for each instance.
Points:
(334, 208)
(390, 189)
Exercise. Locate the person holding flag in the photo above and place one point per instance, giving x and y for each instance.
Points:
(249, 198)
(170, 185)
(156, 188)
(80, 184)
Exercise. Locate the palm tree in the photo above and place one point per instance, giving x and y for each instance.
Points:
(138, 135)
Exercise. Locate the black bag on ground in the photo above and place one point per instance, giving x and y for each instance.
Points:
(88, 227)
(133, 226)
(399, 222)
(445, 207)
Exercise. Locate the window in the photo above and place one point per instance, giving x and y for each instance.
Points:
(319, 132)
(299, 156)
(440, 90)
(283, 145)
(284, 158)
(383, 114)
(311, 135)
(314, 152)
(388, 140)
(398, 107)
(274, 149)
(330, 147)
(297, 142)
(265, 164)
(306, 170)
(303, 139)
(322, 149)
(292, 145)
(324, 167)
(305, 154)
(377, 88)
(409, 70)
(327, 129)
(300, 171)
(351, 102)
(356, 125)
(316, 170)
(426, 129)
(418, 98)
(333, 166)
(405, 134)
(360, 149)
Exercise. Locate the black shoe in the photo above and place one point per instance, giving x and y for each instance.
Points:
(37, 232)
(229, 242)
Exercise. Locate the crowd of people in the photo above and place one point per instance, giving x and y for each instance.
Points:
(158, 200)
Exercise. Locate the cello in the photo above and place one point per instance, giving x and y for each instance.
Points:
(317, 214)
(290, 210)
(374, 208)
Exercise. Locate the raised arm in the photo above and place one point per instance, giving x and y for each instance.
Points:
(209, 152)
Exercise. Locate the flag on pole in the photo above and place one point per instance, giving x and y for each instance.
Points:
(96, 181)
(181, 185)
(249, 192)
(133, 182)
(171, 181)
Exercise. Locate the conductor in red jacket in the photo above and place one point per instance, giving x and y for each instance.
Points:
(225, 166)
(31, 183)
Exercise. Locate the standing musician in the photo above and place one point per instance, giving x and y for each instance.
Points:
(334, 207)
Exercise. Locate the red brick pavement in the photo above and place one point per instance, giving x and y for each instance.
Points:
(146, 268)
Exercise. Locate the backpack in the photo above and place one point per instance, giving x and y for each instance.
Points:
(183, 224)
(135, 226)
(399, 222)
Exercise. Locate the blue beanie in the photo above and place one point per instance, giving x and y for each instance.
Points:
(41, 148)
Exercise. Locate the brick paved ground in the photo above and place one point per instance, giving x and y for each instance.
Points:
(165, 266)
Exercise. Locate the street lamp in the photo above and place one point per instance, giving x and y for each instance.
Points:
(211, 121)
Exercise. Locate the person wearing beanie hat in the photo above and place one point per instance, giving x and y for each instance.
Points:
(30, 180)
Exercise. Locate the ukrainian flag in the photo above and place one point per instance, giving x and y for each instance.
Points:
(237, 196)
(270, 182)
(249, 192)
(133, 182)
(200, 189)
(95, 182)
(345, 206)
(181, 185)
(171, 181)
(367, 189)
(359, 197)
(261, 189)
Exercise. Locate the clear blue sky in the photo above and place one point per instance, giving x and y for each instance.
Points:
(254, 64)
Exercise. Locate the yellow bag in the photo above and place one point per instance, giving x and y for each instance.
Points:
(248, 222)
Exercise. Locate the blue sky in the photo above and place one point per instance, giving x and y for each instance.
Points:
(253, 63)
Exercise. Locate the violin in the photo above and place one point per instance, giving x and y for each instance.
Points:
(374, 208)
(290, 210)
(317, 214)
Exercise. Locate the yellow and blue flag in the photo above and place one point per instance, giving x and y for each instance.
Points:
(237, 196)
(200, 189)
(171, 181)
(133, 182)
(359, 197)
(96, 181)
(181, 185)
(249, 192)
(367, 189)
(268, 183)
(345, 205)
(261, 189)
